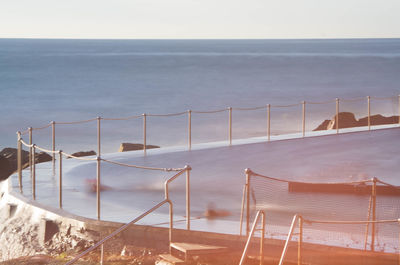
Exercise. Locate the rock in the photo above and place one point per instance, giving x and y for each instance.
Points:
(11, 156)
(5, 168)
(378, 120)
(84, 153)
(131, 147)
(322, 126)
(42, 157)
(346, 120)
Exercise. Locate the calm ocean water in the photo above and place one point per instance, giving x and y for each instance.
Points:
(67, 80)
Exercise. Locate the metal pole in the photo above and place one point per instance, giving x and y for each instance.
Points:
(373, 214)
(98, 187)
(300, 242)
(337, 115)
(262, 238)
(253, 228)
(269, 121)
(399, 109)
(30, 149)
(304, 118)
(188, 168)
(60, 177)
(367, 225)
(33, 173)
(101, 254)
(247, 171)
(190, 129)
(369, 112)
(53, 145)
(19, 162)
(230, 125)
(144, 133)
(171, 223)
(242, 210)
(98, 137)
(398, 250)
(285, 248)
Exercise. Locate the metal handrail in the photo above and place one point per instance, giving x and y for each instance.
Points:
(119, 230)
(262, 213)
(166, 200)
(290, 234)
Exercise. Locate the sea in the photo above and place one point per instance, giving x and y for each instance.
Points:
(67, 80)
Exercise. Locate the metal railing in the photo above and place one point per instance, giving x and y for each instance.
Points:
(230, 133)
(98, 160)
(246, 248)
(361, 187)
(301, 221)
(166, 200)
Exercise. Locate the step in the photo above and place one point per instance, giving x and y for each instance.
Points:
(197, 249)
(168, 259)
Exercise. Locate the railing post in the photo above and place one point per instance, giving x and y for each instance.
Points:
(19, 162)
(98, 136)
(230, 125)
(171, 223)
(300, 242)
(60, 178)
(399, 108)
(242, 210)
(144, 133)
(337, 115)
(188, 168)
(304, 118)
(33, 173)
(269, 121)
(262, 238)
(373, 214)
(247, 171)
(53, 145)
(369, 112)
(30, 149)
(98, 187)
(367, 224)
(101, 254)
(190, 129)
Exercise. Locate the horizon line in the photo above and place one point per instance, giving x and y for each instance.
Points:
(306, 38)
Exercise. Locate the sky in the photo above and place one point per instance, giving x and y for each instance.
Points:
(198, 19)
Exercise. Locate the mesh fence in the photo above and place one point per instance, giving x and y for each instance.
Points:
(365, 201)
(343, 242)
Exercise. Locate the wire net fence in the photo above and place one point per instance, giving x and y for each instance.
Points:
(340, 214)
(307, 244)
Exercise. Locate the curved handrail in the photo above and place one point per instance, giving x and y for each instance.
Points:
(119, 230)
(166, 200)
(262, 213)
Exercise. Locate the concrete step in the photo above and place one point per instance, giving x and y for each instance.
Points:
(190, 249)
(168, 259)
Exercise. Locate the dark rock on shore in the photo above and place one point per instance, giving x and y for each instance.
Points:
(348, 120)
(378, 120)
(84, 153)
(5, 169)
(131, 147)
(10, 154)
